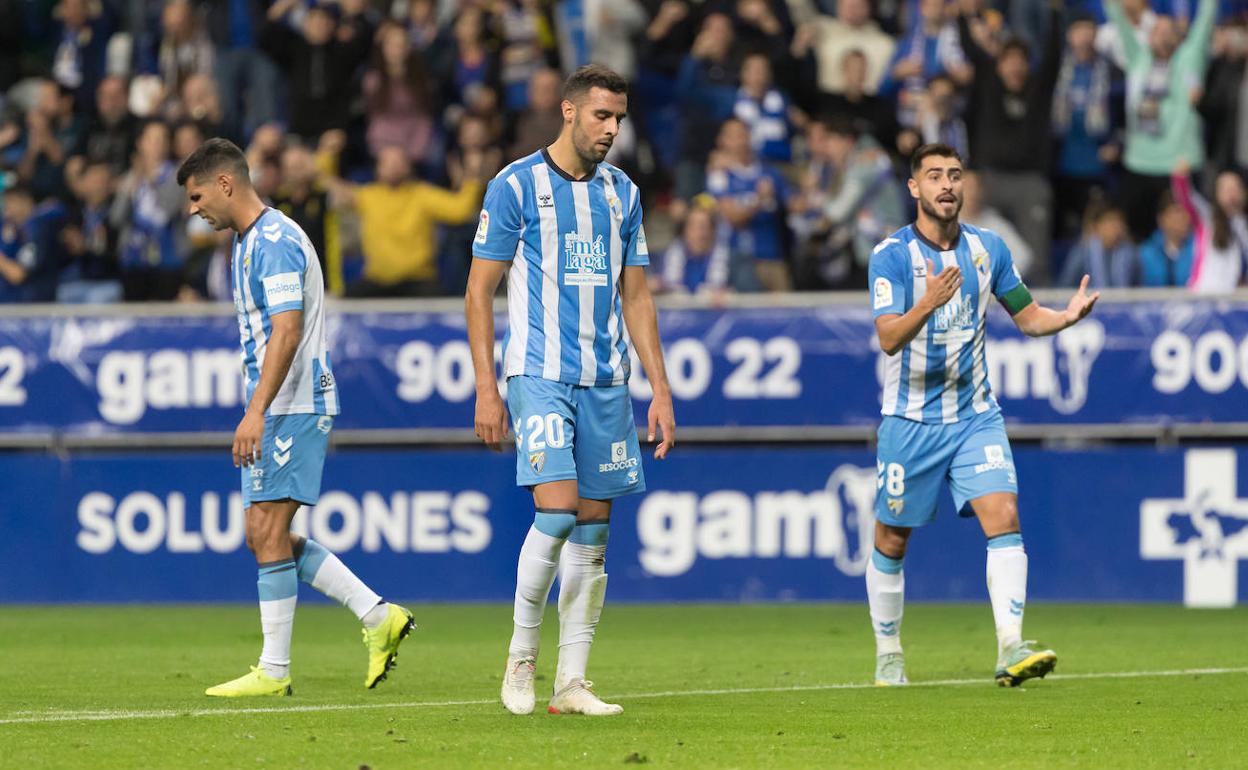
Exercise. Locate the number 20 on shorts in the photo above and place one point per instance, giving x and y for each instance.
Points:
(542, 432)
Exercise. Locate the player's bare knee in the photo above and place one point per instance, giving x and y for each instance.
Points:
(593, 511)
(891, 541)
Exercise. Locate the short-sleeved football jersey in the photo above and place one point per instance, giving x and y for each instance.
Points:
(275, 270)
(941, 376)
(568, 242)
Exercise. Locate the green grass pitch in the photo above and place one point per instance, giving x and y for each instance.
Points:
(703, 686)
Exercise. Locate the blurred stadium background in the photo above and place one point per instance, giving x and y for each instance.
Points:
(770, 140)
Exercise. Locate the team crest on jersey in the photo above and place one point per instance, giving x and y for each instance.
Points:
(617, 210)
(537, 461)
(895, 505)
(982, 262)
(584, 261)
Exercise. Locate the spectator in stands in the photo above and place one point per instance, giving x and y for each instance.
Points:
(850, 201)
(421, 22)
(852, 29)
(697, 262)
(110, 134)
(526, 34)
(539, 124)
(148, 211)
(662, 50)
(187, 136)
(751, 198)
(765, 111)
(303, 198)
(1163, 85)
(706, 90)
(185, 48)
(1220, 231)
(78, 62)
(90, 273)
(1104, 253)
(1083, 122)
(1109, 36)
(397, 219)
(975, 212)
(399, 97)
(30, 250)
(53, 133)
(873, 115)
(319, 67)
(1009, 119)
(201, 103)
(929, 49)
(611, 30)
(465, 62)
(1166, 257)
(940, 119)
(248, 82)
(1224, 104)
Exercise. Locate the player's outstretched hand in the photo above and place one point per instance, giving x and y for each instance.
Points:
(1081, 304)
(662, 416)
(942, 287)
(491, 422)
(247, 439)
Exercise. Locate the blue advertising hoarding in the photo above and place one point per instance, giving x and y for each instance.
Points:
(1129, 523)
(1176, 361)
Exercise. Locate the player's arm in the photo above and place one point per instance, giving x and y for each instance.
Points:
(642, 322)
(12, 271)
(279, 353)
(490, 421)
(896, 330)
(1035, 320)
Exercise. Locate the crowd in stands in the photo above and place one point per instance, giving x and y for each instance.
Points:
(770, 137)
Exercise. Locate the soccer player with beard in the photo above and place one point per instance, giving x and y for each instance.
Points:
(931, 283)
(566, 229)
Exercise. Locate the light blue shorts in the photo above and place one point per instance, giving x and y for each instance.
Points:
(575, 432)
(914, 459)
(292, 456)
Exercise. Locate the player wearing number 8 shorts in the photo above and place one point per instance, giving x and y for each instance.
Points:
(566, 229)
(931, 284)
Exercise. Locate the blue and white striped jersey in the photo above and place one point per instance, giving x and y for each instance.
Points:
(275, 270)
(941, 376)
(568, 242)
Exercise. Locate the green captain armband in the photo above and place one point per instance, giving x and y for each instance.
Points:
(1017, 298)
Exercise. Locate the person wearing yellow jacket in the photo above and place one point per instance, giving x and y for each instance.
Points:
(398, 225)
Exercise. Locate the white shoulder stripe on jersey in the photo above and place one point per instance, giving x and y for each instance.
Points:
(549, 227)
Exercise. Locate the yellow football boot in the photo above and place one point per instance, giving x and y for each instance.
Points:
(383, 643)
(252, 684)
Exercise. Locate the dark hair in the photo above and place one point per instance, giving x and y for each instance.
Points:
(593, 76)
(21, 188)
(415, 78)
(1015, 45)
(841, 124)
(931, 151)
(1166, 201)
(214, 155)
(1222, 234)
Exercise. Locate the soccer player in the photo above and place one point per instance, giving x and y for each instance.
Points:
(291, 403)
(566, 229)
(931, 284)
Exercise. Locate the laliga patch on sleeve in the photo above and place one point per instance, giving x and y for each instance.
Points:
(282, 288)
(883, 293)
(643, 250)
(483, 229)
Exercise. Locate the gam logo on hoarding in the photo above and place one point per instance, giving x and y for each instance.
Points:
(1207, 528)
(834, 523)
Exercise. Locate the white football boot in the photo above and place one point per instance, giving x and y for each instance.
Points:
(517, 694)
(577, 697)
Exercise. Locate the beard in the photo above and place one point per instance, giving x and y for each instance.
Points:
(590, 152)
(930, 210)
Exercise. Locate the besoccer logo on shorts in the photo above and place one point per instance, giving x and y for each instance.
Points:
(619, 458)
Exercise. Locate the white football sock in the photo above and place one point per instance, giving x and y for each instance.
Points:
(325, 572)
(535, 572)
(279, 591)
(886, 595)
(1007, 587)
(582, 592)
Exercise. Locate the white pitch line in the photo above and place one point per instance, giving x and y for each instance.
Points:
(112, 716)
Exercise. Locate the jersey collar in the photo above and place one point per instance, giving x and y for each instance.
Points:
(932, 244)
(550, 162)
(247, 229)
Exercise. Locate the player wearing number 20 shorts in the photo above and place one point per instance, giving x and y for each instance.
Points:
(566, 229)
(931, 284)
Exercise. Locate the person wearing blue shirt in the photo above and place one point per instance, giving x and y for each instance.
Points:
(706, 90)
(764, 110)
(751, 197)
(1166, 257)
(566, 229)
(30, 246)
(148, 211)
(931, 284)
